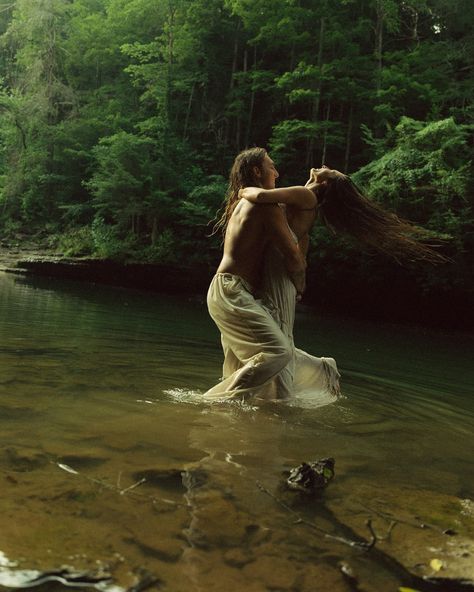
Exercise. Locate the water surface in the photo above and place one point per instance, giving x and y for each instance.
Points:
(101, 466)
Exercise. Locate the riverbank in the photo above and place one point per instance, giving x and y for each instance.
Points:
(397, 300)
(168, 279)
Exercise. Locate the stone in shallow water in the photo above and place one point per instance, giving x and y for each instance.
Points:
(237, 557)
(323, 577)
(277, 573)
(311, 477)
(194, 478)
(82, 462)
(165, 478)
(23, 459)
(204, 570)
(157, 547)
(217, 521)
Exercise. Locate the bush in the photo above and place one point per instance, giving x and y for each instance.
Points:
(164, 250)
(106, 240)
(74, 242)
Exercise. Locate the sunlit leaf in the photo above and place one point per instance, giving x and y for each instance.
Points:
(436, 564)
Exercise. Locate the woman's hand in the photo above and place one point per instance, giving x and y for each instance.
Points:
(318, 177)
(312, 178)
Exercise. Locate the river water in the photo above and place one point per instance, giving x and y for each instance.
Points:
(107, 464)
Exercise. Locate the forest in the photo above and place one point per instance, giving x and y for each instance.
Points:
(120, 120)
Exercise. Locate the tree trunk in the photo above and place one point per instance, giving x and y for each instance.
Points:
(154, 230)
(378, 45)
(317, 98)
(231, 83)
(188, 111)
(348, 139)
(169, 76)
(328, 111)
(252, 99)
(380, 16)
(239, 118)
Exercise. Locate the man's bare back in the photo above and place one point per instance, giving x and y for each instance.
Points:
(250, 229)
(245, 242)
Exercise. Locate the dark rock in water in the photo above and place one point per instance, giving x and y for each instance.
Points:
(311, 477)
(162, 552)
(82, 462)
(170, 479)
(24, 459)
(194, 478)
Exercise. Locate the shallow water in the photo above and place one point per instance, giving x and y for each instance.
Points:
(102, 466)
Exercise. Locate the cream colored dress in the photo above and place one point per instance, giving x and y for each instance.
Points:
(305, 376)
(255, 348)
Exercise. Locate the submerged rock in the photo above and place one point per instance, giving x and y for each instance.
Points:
(83, 461)
(311, 477)
(24, 459)
(170, 479)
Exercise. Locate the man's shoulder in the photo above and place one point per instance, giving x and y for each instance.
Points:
(271, 211)
(247, 208)
(263, 209)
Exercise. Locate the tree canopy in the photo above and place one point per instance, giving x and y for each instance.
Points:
(121, 118)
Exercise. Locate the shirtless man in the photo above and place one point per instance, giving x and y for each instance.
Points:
(247, 328)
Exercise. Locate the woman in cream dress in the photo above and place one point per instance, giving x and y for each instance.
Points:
(306, 376)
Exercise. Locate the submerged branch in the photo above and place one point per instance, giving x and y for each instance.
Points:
(420, 525)
(366, 545)
(117, 488)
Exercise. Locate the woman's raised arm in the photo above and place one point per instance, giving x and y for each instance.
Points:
(298, 196)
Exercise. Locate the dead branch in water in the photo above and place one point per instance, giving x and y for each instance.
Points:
(421, 525)
(130, 490)
(365, 545)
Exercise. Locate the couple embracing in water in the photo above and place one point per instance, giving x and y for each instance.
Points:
(261, 275)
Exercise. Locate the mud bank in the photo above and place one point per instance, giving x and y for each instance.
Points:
(169, 279)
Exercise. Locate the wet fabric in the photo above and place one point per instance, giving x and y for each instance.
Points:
(305, 375)
(255, 348)
(257, 336)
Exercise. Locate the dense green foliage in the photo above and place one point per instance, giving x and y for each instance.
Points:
(120, 118)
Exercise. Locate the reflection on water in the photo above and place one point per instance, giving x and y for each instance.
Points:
(100, 464)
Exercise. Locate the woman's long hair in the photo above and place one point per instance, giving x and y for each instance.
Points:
(241, 175)
(344, 209)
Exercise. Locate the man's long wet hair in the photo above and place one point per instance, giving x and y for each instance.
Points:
(345, 210)
(242, 175)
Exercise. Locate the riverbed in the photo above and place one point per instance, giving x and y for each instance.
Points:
(110, 463)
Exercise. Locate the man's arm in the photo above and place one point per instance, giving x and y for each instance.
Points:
(298, 196)
(279, 234)
(303, 245)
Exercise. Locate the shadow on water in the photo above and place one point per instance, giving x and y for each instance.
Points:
(103, 470)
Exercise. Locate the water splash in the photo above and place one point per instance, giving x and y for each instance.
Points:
(180, 395)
